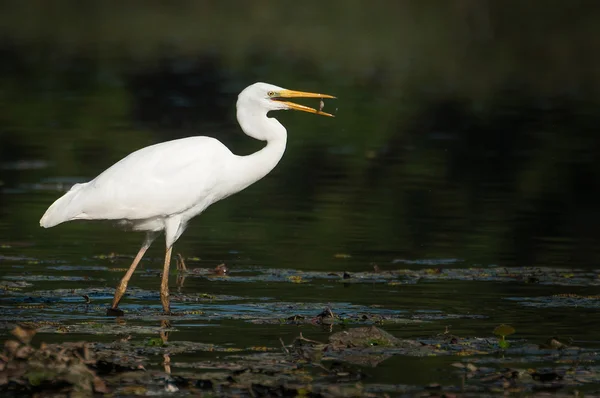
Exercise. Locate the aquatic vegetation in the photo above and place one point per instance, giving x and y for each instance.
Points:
(502, 331)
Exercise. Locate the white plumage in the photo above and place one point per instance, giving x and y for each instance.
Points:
(163, 186)
(174, 179)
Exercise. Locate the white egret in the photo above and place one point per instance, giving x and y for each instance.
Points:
(163, 186)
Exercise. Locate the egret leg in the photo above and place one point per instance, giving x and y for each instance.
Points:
(120, 291)
(164, 285)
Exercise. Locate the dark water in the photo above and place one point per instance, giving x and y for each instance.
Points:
(451, 148)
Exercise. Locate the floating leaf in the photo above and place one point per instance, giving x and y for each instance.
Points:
(433, 271)
(154, 342)
(341, 255)
(504, 330)
(194, 312)
(261, 348)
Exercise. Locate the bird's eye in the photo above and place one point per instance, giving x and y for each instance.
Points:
(271, 93)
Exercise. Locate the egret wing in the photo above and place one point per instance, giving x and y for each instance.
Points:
(159, 180)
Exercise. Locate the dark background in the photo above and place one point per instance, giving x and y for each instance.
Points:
(465, 129)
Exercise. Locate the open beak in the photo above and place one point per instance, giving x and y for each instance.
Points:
(302, 94)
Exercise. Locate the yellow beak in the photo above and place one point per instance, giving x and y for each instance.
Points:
(302, 94)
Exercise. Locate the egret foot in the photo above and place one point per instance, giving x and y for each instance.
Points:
(114, 312)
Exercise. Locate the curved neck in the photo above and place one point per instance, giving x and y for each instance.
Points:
(246, 170)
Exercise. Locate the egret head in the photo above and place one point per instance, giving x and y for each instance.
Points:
(269, 97)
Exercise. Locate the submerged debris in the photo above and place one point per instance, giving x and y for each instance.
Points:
(221, 269)
(307, 367)
(23, 333)
(339, 351)
(59, 368)
(366, 337)
(325, 318)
